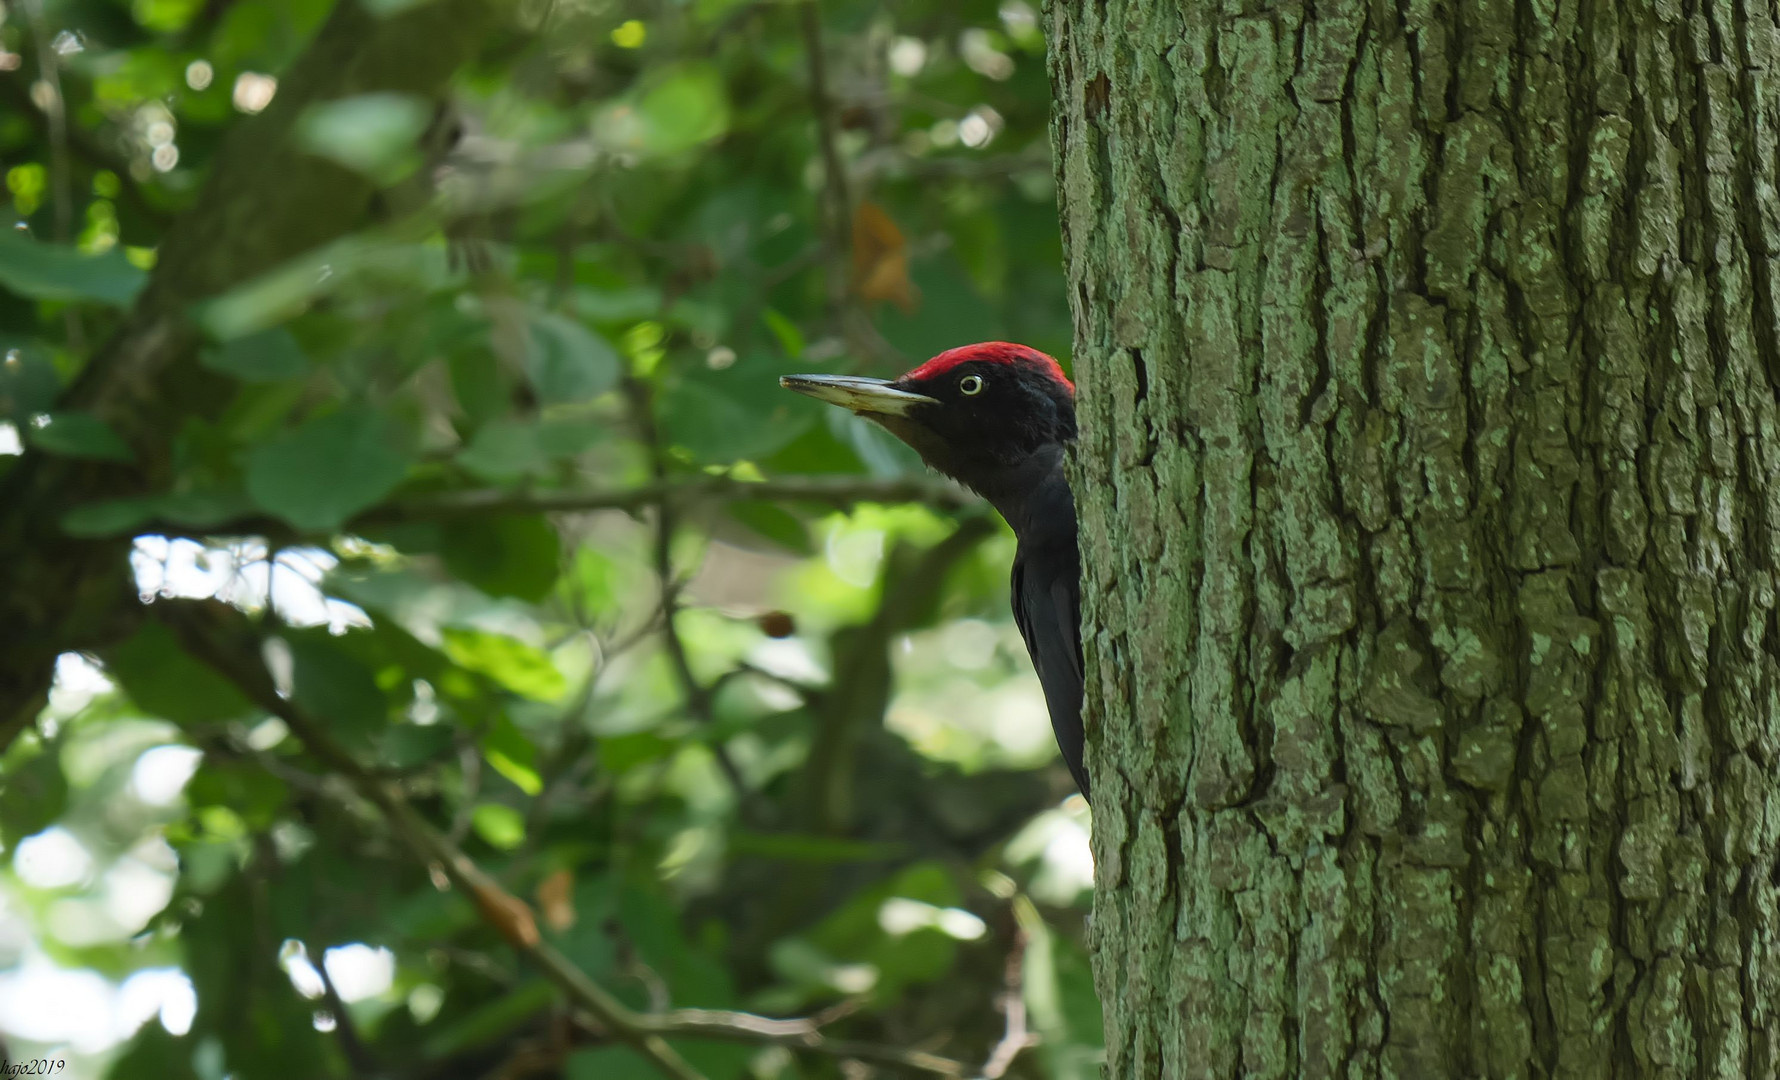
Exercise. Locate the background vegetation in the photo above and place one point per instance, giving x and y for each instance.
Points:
(528, 686)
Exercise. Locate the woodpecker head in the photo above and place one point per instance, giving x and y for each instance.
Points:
(982, 414)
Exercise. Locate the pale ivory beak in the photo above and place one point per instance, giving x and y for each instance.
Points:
(862, 395)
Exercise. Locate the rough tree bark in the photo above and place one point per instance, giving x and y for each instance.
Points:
(1429, 355)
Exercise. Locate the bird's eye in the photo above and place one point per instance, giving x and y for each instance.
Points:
(970, 385)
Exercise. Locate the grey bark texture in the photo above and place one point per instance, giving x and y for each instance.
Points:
(1429, 354)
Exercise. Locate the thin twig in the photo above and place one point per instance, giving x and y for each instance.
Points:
(358, 1055)
(838, 208)
(1013, 1004)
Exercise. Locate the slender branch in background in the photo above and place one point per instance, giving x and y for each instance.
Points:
(837, 491)
(224, 639)
(698, 696)
(1013, 1004)
(358, 1055)
(837, 208)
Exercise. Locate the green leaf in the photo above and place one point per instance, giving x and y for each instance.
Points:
(372, 134)
(677, 108)
(28, 381)
(54, 272)
(333, 686)
(164, 680)
(500, 825)
(247, 790)
(523, 778)
(510, 662)
(329, 469)
(267, 356)
(505, 450)
(113, 517)
(198, 509)
(725, 416)
(33, 790)
(608, 1063)
(820, 849)
(77, 435)
(518, 556)
(568, 362)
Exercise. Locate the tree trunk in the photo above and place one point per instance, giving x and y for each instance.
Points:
(1429, 355)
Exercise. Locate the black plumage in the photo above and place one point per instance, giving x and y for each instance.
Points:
(996, 417)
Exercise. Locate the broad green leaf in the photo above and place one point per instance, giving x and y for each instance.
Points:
(501, 825)
(509, 555)
(266, 356)
(510, 662)
(77, 435)
(324, 472)
(40, 271)
(164, 680)
(372, 134)
(568, 362)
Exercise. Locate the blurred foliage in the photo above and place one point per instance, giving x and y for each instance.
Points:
(734, 752)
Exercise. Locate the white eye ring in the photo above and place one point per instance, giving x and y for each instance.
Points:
(970, 385)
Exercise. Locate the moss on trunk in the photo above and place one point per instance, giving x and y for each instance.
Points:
(1429, 355)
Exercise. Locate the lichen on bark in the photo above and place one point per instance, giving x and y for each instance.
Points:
(1429, 367)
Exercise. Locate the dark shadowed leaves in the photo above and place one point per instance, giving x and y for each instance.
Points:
(164, 680)
(77, 435)
(514, 555)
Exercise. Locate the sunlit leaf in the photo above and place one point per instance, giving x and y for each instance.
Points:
(510, 662)
(501, 825)
(322, 473)
(39, 271)
(373, 134)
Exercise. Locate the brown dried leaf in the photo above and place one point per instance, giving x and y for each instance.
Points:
(880, 258)
(556, 896)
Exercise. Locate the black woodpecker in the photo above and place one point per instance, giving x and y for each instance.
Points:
(995, 417)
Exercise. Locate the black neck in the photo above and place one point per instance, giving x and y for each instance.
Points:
(1032, 495)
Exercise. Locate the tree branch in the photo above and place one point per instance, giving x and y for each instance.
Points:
(225, 640)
